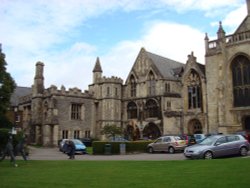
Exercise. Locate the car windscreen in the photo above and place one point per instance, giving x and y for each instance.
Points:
(208, 141)
(77, 141)
(178, 138)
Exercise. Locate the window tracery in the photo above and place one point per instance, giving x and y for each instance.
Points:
(194, 90)
(241, 81)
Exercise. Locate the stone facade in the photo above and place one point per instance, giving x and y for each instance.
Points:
(160, 96)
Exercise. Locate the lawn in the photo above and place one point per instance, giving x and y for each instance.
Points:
(230, 172)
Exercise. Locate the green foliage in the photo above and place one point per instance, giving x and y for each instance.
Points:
(4, 133)
(222, 173)
(111, 131)
(131, 147)
(7, 88)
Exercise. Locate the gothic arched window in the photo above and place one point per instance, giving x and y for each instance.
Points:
(132, 110)
(241, 81)
(133, 86)
(152, 109)
(194, 90)
(151, 84)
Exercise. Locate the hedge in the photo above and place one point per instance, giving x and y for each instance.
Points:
(102, 147)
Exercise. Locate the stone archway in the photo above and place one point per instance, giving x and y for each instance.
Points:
(132, 132)
(151, 131)
(194, 127)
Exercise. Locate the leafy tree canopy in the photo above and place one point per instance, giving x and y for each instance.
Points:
(111, 130)
(7, 86)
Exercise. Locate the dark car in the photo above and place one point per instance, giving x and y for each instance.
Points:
(87, 141)
(218, 146)
(190, 139)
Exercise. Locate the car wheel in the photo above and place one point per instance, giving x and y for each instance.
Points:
(243, 151)
(150, 150)
(208, 155)
(171, 150)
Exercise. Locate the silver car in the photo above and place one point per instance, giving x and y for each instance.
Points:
(218, 146)
(167, 144)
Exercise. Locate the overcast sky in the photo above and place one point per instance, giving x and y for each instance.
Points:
(68, 35)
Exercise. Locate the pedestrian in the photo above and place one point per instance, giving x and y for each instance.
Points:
(71, 149)
(20, 147)
(65, 147)
(9, 150)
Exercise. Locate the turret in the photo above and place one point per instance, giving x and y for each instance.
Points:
(221, 33)
(206, 42)
(39, 79)
(97, 71)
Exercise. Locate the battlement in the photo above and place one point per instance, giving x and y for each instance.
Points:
(113, 79)
(213, 46)
(53, 90)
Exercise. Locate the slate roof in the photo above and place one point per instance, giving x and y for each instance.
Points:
(19, 92)
(97, 67)
(166, 67)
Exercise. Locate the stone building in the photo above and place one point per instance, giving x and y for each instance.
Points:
(160, 96)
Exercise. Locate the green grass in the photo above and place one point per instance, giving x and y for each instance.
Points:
(232, 172)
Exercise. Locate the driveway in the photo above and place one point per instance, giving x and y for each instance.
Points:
(55, 154)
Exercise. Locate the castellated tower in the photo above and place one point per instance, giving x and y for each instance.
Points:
(108, 94)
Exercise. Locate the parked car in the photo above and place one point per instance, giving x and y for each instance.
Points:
(190, 139)
(167, 144)
(245, 134)
(80, 147)
(61, 144)
(218, 146)
(199, 137)
(87, 141)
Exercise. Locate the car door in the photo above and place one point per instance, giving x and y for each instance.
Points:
(158, 145)
(166, 143)
(220, 147)
(233, 144)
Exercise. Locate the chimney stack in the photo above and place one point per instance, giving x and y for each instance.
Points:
(248, 7)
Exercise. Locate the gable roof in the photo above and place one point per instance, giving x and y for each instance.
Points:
(19, 92)
(244, 26)
(165, 66)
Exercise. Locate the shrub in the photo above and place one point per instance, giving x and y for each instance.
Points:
(104, 147)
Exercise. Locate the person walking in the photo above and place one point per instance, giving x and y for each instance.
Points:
(71, 149)
(9, 150)
(20, 147)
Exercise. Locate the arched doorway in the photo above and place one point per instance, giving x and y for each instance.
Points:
(132, 132)
(194, 127)
(151, 131)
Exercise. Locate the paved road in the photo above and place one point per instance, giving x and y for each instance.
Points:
(55, 154)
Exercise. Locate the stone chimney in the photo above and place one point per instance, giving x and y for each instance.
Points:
(248, 7)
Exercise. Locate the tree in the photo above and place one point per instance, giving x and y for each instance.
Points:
(111, 131)
(7, 86)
